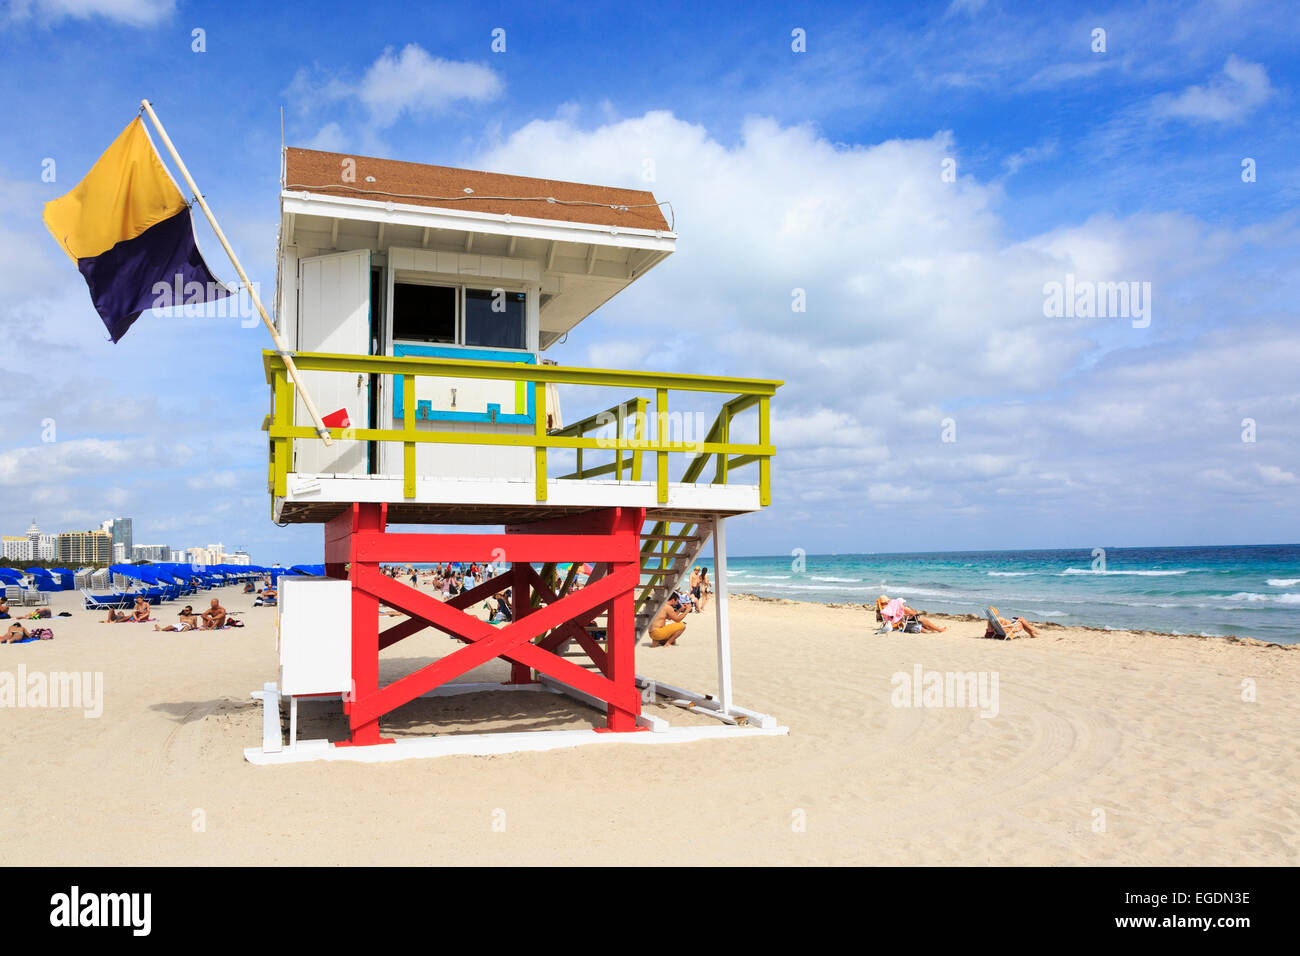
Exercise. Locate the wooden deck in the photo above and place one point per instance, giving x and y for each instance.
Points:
(315, 499)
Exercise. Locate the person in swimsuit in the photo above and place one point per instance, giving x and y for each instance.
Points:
(668, 624)
(214, 617)
(187, 621)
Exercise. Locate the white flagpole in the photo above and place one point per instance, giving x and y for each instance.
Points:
(289, 365)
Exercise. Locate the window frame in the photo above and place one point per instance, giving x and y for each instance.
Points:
(403, 277)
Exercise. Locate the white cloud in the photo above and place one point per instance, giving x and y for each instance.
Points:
(920, 308)
(1228, 97)
(410, 82)
(1274, 475)
(136, 13)
(80, 458)
(415, 82)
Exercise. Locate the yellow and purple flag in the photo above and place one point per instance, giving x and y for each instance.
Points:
(128, 229)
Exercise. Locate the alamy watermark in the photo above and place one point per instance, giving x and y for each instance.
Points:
(946, 689)
(198, 300)
(1084, 299)
(76, 690)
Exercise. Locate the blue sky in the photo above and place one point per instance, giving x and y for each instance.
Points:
(819, 170)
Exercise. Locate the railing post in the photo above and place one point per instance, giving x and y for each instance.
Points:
(639, 435)
(408, 426)
(765, 462)
(539, 429)
(724, 436)
(661, 438)
(284, 415)
(620, 416)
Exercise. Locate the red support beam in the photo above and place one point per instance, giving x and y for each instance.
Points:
(576, 629)
(365, 631)
(608, 539)
(606, 521)
(622, 664)
(521, 604)
(402, 547)
(512, 641)
(465, 599)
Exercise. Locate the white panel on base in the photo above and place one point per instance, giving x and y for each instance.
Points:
(315, 635)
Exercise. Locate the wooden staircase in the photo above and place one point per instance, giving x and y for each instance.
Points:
(670, 546)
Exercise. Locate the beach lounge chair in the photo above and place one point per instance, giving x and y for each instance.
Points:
(995, 624)
(1017, 629)
(101, 602)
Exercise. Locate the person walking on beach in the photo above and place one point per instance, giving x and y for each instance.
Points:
(668, 624)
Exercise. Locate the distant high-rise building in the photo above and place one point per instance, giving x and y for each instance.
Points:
(178, 557)
(46, 547)
(34, 536)
(239, 557)
(151, 552)
(16, 548)
(119, 553)
(120, 529)
(84, 547)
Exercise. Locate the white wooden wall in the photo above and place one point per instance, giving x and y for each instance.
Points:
(334, 316)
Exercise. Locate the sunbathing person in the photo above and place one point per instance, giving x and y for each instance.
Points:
(15, 633)
(902, 614)
(188, 621)
(116, 617)
(184, 624)
(214, 617)
(141, 612)
(668, 624)
(4, 607)
(1010, 629)
(266, 598)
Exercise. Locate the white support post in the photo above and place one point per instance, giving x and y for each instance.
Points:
(271, 740)
(720, 607)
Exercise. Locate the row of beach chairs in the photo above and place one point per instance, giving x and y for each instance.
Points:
(16, 594)
(125, 597)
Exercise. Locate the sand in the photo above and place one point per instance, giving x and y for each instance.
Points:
(1107, 748)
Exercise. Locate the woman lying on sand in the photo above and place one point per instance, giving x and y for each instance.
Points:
(18, 633)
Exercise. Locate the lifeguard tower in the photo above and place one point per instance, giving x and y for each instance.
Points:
(418, 303)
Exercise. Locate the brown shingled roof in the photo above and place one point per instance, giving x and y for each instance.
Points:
(418, 184)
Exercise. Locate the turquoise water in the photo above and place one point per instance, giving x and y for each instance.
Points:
(1249, 590)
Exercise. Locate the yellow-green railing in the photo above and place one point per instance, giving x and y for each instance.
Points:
(282, 429)
(618, 416)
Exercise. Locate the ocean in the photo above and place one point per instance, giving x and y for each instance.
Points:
(1247, 590)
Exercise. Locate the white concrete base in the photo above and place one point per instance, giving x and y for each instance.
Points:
(481, 745)
(273, 750)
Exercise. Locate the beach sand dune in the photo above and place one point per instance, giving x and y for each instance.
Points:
(1106, 748)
